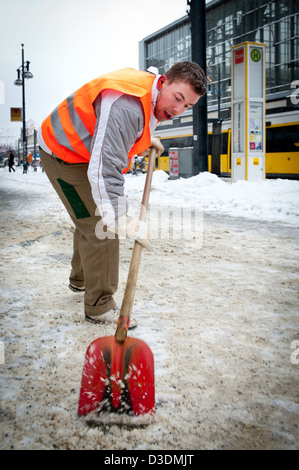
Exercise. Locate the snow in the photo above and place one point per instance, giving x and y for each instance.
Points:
(218, 309)
(268, 200)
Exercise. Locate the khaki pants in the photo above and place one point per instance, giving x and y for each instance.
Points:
(95, 263)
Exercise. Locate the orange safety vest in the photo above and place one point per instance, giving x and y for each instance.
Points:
(61, 129)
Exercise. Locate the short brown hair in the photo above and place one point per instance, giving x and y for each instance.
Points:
(188, 72)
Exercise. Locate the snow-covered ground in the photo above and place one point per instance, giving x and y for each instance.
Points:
(219, 310)
(268, 201)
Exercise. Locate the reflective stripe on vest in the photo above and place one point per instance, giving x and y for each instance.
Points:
(73, 133)
(69, 129)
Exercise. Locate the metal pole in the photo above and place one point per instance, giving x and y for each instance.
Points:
(219, 91)
(200, 110)
(24, 117)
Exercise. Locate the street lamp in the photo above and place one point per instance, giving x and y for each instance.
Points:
(23, 72)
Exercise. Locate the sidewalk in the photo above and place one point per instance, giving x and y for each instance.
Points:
(222, 322)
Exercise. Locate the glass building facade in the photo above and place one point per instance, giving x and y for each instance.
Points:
(230, 22)
(174, 45)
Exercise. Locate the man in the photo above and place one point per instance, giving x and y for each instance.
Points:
(11, 161)
(87, 144)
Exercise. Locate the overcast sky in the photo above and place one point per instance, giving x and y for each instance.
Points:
(68, 43)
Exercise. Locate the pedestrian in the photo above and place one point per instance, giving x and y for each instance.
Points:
(86, 146)
(11, 161)
(29, 160)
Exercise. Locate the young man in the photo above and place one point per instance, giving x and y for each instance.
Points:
(87, 144)
(11, 161)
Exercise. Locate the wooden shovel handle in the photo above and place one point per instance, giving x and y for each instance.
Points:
(128, 300)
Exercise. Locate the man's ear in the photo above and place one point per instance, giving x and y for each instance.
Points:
(161, 80)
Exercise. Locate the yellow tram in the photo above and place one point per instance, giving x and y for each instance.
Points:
(282, 145)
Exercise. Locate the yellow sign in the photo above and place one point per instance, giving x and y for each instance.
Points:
(16, 114)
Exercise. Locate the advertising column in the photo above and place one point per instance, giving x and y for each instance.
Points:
(248, 112)
(174, 163)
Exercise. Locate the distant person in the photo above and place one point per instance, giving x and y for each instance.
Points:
(87, 144)
(29, 160)
(11, 162)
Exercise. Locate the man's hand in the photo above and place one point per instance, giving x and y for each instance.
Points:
(132, 228)
(155, 143)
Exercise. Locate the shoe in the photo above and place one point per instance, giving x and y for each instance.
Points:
(111, 317)
(76, 288)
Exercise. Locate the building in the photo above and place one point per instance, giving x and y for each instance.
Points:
(230, 22)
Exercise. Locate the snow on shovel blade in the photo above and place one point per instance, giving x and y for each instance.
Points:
(118, 377)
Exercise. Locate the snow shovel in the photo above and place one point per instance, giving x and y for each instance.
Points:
(118, 372)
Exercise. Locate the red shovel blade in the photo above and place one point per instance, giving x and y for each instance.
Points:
(118, 377)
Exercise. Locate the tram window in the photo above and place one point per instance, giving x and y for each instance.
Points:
(179, 142)
(282, 139)
(166, 146)
(185, 141)
(210, 139)
(224, 142)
